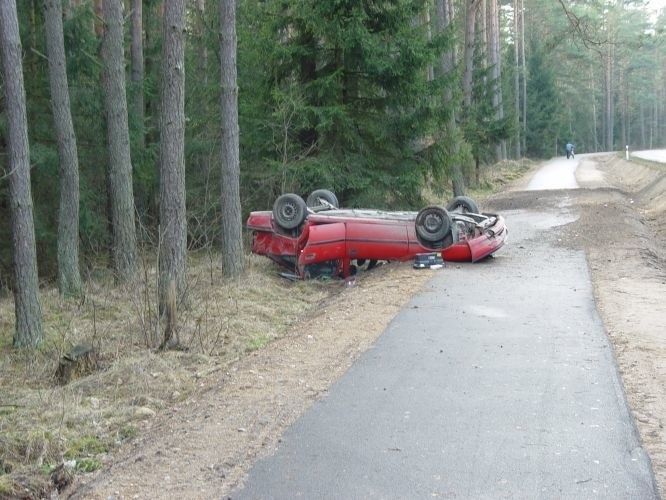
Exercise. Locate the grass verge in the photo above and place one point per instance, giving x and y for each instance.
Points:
(45, 426)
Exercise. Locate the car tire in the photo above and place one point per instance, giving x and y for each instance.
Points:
(289, 211)
(322, 194)
(463, 204)
(433, 223)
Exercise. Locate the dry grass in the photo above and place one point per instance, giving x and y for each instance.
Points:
(500, 177)
(492, 179)
(43, 424)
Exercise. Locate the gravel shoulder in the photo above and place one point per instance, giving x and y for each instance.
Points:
(203, 447)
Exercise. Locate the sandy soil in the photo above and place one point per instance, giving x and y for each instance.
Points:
(204, 447)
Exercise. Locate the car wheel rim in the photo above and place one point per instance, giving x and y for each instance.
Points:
(289, 212)
(432, 223)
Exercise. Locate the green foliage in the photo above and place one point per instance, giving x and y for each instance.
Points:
(127, 431)
(482, 128)
(257, 343)
(348, 100)
(542, 105)
(88, 465)
(85, 446)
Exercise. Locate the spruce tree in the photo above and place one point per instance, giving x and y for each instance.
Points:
(350, 97)
(542, 110)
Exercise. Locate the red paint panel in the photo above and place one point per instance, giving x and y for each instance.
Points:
(261, 221)
(271, 243)
(325, 242)
(371, 239)
(458, 252)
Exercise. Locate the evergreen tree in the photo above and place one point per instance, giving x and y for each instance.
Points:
(351, 103)
(542, 105)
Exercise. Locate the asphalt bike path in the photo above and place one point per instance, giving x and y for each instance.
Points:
(496, 381)
(559, 173)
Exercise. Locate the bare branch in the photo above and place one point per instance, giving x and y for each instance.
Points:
(581, 28)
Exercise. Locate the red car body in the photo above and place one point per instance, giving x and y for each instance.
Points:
(328, 241)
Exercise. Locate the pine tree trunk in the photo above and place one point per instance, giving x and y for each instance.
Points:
(98, 23)
(642, 124)
(444, 9)
(482, 40)
(609, 100)
(203, 50)
(654, 133)
(496, 62)
(232, 239)
(516, 77)
(69, 278)
(26, 287)
(120, 164)
(470, 19)
(523, 71)
(593, 100)
(136, 53)
(173, 222)
(624, 124)
(430, 70)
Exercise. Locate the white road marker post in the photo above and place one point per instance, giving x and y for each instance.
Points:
(627, 151)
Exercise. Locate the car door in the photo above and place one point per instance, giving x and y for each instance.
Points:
(325, 242)
(377, 239)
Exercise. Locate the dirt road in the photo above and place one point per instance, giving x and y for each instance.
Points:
(204, 447)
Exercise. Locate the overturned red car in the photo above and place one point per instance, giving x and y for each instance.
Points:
(316, 238)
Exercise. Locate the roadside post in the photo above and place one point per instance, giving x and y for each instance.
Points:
(626, 148)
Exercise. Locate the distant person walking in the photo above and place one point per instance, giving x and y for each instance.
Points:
(570, 150)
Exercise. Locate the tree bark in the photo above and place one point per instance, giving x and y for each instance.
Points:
(642, 124)
(203, 48)
(496, 62)
(27, 308)
(173, 222)
(609, 98)
(470, 19)
(136, 53)
(481, 37)
(523, 71)
(593, 100)
(69, 277)
(120, 164)
(623, 85)
(444, 10)
(516, 76)
(430, 70)
(98, 24)
(232, 240)
(608, 58)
